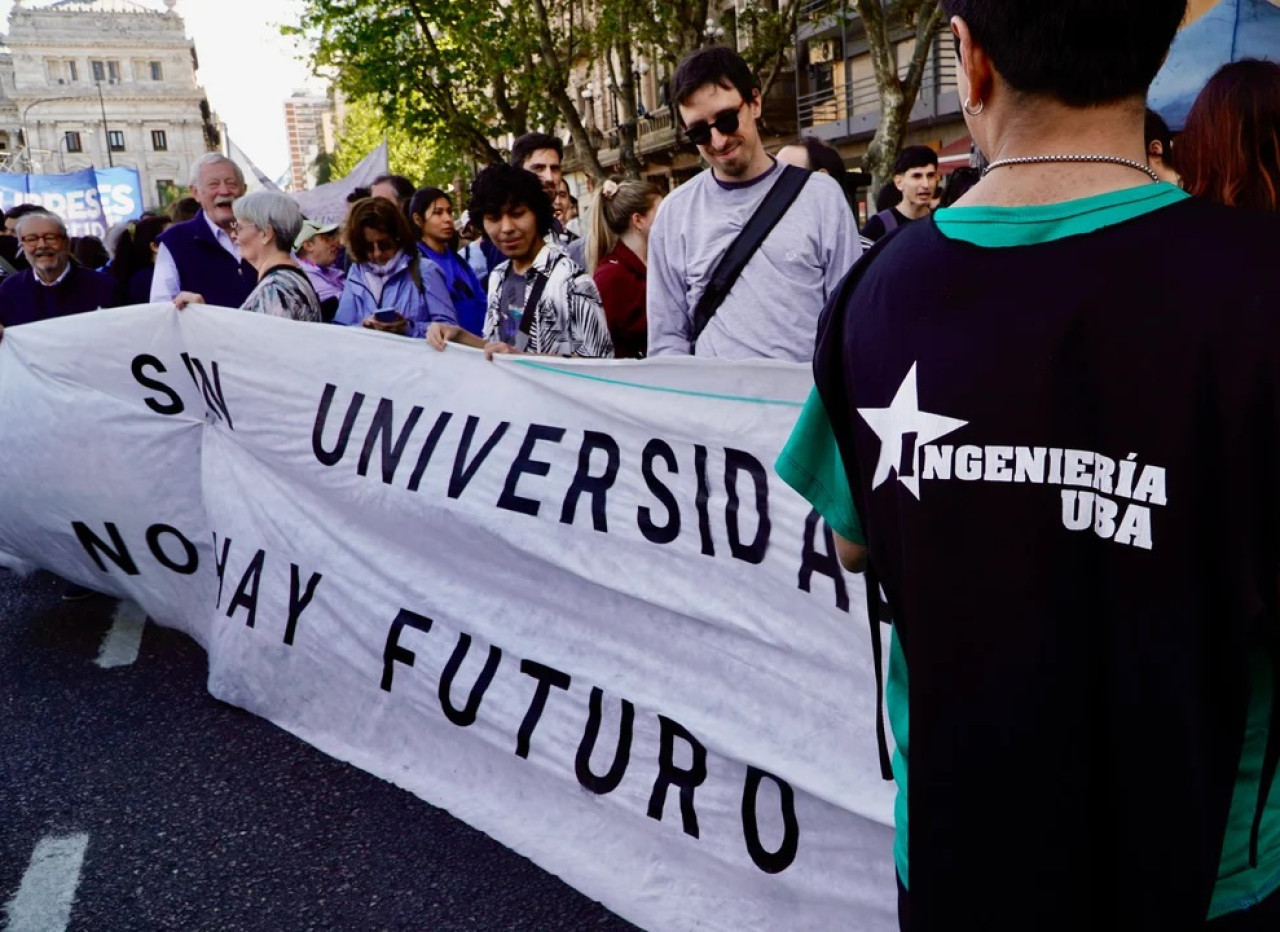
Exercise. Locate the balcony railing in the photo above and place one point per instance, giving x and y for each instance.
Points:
(860, 99)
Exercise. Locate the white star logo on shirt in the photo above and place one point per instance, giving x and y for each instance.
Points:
(894, 424)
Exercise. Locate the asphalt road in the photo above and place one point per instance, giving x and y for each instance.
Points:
(193, 815)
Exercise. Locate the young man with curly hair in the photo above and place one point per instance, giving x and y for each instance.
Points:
(540, 300)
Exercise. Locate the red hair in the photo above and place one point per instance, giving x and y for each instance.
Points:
(1230, 149)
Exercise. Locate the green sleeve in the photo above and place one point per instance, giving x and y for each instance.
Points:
(811, 464)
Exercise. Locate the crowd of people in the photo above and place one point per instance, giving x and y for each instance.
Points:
(1092, 726)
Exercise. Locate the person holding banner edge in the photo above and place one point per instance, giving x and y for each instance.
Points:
(53, 285)
(1076, 693)
(540, 301)
(266, 224)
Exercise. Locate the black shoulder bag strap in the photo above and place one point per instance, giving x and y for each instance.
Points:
(776, 203)
(531, 302)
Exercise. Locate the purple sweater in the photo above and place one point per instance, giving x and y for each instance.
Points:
(23, 300)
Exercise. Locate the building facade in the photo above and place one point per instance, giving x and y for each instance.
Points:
(103, 82)
(309, 124)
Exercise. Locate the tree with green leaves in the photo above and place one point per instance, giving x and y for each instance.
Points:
(883, 24)
(365, 126)
(763, 32)
(449, 72)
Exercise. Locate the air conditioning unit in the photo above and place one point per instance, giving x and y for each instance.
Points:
(821, 53)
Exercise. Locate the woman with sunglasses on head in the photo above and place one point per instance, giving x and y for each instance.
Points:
(265, 226)
(431, 214)
(388, 287)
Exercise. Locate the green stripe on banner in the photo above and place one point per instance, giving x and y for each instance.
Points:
(659, 388)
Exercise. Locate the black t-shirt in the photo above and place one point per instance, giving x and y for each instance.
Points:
(1067, 461)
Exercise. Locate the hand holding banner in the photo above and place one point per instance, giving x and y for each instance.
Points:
(566, 600)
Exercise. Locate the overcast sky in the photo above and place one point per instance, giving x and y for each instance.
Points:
(246, 66)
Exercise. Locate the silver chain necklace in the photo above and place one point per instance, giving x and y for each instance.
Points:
(1038, 159)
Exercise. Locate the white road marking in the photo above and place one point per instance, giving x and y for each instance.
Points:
(120, 646)
(43, 901)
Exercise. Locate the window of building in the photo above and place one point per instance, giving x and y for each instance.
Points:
(157, 72)
(108, 71)
(159, 141)
(61, 70)
(115, 139)
(73, 142)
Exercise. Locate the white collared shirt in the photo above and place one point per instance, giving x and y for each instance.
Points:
(56, 281)
(166, 283)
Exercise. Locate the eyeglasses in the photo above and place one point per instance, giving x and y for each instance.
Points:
(725, 122)
(49, 239)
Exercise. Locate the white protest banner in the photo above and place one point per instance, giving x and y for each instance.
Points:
(568, 601)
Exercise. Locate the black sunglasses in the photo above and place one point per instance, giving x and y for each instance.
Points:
(725, 122)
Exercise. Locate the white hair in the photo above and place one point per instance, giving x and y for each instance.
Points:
(213, 158)
(271, 210)
(38, 215)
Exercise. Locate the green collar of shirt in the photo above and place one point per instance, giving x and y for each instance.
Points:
(996, 227)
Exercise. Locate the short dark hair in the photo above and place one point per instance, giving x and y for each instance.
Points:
(958, 184)
(358, 194)
(716, 65)
(21, 210)
(500, 187)
(914, 157)
(888, 197)
(184, 209)
(530, 143)
(404, 187)
(1081, 52)
(823, 157)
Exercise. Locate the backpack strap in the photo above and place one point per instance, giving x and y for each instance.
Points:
(776, 203)
(889, 220)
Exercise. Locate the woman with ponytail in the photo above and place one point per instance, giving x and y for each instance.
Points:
(430, 213)
(617, 254)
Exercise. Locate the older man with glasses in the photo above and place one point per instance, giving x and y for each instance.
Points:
(766, 303)
(53, 286)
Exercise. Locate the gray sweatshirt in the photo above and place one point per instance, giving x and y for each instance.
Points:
(772, 310)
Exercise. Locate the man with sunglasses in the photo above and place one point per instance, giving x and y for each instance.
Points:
(771, 311)
(53, 286)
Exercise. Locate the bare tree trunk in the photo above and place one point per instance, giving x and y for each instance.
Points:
(897, 96)
(558, 75)
(623, 80)
(779, 58)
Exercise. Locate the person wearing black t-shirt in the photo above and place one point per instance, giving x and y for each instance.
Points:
(1057, 452)
(915, 176)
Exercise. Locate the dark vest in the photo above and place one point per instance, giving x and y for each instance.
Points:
(205, 267)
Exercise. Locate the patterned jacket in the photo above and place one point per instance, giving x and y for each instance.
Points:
(569, 319)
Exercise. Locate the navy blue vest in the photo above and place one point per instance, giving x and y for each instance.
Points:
(205, 267)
